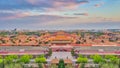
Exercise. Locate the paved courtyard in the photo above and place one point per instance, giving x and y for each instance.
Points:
(61, 55)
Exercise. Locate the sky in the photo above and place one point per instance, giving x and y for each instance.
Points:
(59, 14)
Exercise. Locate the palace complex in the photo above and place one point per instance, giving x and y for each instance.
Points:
(61, 38)
(69, 49)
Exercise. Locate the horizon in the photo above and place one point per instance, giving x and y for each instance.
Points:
(59, 30)
(59, 14)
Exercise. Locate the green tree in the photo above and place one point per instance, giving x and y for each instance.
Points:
(40, 65)
(9, 59)
(50, 52)
(109, 56)
(14, 59)
(81, 56)
(119, 63)
(72, 52)
(78, 42)
(97, 59)
(40, 60)
(41, 56)
(1, 63)
(82, 60)
(25, 58)
(113, 59)
(1, 60)
(82, 65)
(1, 57)
(61, 64)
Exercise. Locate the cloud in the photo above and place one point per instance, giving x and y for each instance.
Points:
(22, 14)
(7, 16)
(34, 2)
(42, 4)
(99, 4)
(64, 21)
(85, 14)
(104, 19)
(50, 21)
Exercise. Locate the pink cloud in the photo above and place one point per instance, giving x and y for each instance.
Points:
(52, 5)
(69, 5)
(61, 5)
(34, 2)
(99, 5)
(15, 15)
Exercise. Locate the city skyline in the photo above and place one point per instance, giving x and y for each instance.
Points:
(59, 14)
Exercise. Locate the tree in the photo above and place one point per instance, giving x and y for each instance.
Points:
(1, 57)
(81, 59)
(113, 59)
(41, 56)
(102, 41)
(1, 63)
(61, 64)
(14, 58)
(78, 42)
(99, 33)
(98, 60)
(25, 58)
(72, 52)
(119, 63)
(81, 56)
(40, 65)
(41, 59)
(108, 56)
(46, 42)
(9, 59)
(82, 65)
(1, 60)
(49, 52)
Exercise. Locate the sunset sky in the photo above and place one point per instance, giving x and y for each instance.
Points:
(59, 14)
